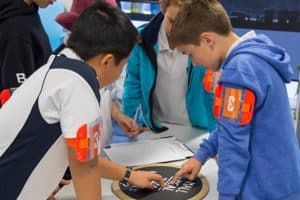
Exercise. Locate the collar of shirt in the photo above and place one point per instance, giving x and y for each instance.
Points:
(70, 54)
(248, 35)
(163, 43)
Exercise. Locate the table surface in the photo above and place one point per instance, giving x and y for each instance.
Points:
(192, 137)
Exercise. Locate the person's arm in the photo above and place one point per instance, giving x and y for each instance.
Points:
(234, 157)
(86, 177)
(141, 179)
(208, 148)
(209, 83)
(234, 125)
(132, 94)
(16, 67)
(191, 168)
(127, 124)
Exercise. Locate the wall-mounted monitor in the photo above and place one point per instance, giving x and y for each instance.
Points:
(141, 10)
(281, 15)
(278, 19)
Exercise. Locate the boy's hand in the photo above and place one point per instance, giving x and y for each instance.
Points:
(189, 170)
(142, 179)
(128, 125)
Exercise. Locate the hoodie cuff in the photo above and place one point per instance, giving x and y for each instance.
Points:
(226, 196)
(201, 155)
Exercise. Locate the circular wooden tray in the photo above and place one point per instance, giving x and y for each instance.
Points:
(185, 190)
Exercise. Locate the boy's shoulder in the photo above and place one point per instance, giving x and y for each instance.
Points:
(241, 70)
(242, 63)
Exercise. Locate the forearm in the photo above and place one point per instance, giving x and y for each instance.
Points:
(208, 148)
(234, 157)
(132, 93)
(111, 170)
(86, 177)
(115, 111)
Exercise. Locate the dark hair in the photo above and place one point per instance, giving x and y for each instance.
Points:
(102, 29)
(196, 17)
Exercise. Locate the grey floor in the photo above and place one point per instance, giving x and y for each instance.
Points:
(68, 193)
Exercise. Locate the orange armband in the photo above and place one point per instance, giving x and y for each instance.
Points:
(210, 80)
(86, 146)
(234, 104)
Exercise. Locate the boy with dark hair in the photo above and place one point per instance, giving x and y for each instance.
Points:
(255, 138)
(24, 43)
(60, 110)
(66, 20)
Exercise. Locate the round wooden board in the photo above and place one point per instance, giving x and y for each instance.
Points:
(178, 190)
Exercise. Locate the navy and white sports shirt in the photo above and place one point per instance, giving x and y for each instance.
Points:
(59, 102)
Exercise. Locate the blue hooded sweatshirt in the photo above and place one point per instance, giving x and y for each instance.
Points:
(259, 160)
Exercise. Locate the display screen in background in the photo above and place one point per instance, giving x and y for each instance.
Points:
(281, 15)
(141, 8)
(278, 19)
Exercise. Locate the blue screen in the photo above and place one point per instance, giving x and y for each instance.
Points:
(264, 14)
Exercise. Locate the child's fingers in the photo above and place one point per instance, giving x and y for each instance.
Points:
(158, 179)
(178, 174)
(191, 176)
(149, 185)
(143, 129)
(135, 128)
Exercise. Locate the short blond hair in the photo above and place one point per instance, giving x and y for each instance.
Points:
(166, 3)
(196, 17)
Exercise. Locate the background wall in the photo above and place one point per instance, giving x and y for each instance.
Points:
(53, 29)
(67, 3)
(288, 40)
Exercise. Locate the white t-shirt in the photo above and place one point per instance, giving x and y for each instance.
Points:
(67, 98)
(171, 84)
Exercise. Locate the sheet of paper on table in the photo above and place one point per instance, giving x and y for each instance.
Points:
(148, 151)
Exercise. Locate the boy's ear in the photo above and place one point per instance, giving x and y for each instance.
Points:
(107, 60)
(207, 38)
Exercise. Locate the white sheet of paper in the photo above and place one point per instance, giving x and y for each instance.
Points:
(148, 151)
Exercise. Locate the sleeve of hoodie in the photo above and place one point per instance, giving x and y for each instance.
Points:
(231, 139)
(17, 60)
(208, 148)
(132, 94)
(209, 102)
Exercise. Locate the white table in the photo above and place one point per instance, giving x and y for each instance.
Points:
(188, 135)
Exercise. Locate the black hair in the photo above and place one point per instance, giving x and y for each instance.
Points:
(102, 29)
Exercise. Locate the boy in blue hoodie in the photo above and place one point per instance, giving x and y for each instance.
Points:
(255, 138)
